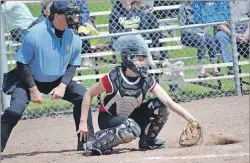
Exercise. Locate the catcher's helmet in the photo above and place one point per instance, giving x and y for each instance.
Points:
(127, 55)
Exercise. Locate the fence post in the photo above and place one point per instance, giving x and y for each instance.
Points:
(5, 99)
(234, 52)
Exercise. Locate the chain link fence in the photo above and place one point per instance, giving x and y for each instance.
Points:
(199, 49)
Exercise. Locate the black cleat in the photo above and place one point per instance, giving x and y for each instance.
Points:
(157, 144)
(80, 146)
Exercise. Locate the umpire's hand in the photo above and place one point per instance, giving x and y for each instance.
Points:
(58, 92)
(35, 95)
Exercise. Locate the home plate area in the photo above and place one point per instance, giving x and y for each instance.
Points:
(225, 123)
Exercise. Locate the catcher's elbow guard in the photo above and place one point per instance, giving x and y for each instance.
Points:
(191, 135)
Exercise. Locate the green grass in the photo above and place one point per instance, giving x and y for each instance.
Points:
(35, 9)
(100, 6)
(188, 91)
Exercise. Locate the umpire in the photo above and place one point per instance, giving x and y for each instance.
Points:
(46, 63)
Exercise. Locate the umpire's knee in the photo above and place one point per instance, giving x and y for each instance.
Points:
(79, 92)
(13, 113)
(10, 117)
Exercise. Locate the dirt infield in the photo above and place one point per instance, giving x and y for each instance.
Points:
(54, 140)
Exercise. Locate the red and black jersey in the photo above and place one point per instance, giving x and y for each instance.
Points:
(122, 95)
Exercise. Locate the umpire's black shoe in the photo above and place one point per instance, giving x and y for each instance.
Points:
(156, 144)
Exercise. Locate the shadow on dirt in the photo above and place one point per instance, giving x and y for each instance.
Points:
(109, 152)
(115, 151)
(122, 150)
(32, 153)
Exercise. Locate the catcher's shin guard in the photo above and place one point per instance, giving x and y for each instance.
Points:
(157, 120)
(109, 138)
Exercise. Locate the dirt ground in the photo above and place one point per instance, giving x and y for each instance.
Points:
(46, 140)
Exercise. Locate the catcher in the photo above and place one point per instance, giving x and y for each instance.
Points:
(124, 115)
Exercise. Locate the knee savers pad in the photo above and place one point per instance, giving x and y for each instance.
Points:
(127, 131)
(109, 138)
(159, 118)
(11, 117)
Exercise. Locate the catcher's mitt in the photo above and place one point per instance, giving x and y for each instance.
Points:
(191, 135)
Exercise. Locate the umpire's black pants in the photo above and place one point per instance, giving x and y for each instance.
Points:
(20, 99)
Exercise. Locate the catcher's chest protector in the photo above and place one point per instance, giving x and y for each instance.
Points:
(125, 95)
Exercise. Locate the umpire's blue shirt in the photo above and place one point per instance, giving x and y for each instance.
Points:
(46, 56)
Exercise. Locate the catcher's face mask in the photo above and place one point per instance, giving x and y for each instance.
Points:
(73, 17)
(135, 58)
(72, 14)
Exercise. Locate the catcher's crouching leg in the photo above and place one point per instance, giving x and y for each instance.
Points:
(158, 118)
(109, 138)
